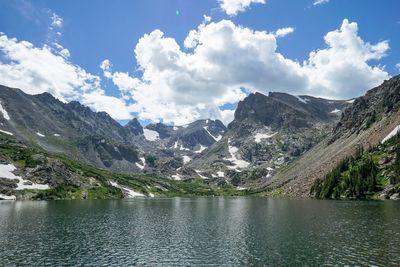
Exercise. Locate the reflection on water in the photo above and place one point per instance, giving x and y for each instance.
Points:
(200, 231)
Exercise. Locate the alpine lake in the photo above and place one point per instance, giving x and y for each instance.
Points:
(201, 231)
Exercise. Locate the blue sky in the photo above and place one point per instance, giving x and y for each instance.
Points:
(187, 83)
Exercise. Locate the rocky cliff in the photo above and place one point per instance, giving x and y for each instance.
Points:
(366, 123)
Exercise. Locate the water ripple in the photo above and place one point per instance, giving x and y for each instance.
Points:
(200, 231)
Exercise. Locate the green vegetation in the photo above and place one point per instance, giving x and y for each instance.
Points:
(94, 183)
(279, 192)
(361, 175)
(151, 160)
(22, 155)
(75, 192)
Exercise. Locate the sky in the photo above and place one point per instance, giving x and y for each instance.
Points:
(176, 61)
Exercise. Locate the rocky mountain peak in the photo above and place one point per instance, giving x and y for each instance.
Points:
(163, 130)
(371, 107)
(281, 110)
(134, 127)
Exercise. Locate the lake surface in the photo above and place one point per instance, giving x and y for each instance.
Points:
(200, 231)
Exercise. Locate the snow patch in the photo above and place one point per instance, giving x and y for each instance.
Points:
(350, 101)
(129, 192)
(184, 148)
(279, 161)
(302, 100)
(239, 163)
(4, 197)
(176, 145)
(56, 135)
(215, 138)
(6, 171)
(175, 128)
(335, 111)
(259, 136)
(40, 134)
(150, 135)
(176, 177)
(239, 188)
(201, 176)
(6, 132)
(139, 166)
(220, 174)
(3, 111)
(186, 159)
(391, 134)
(202, 148)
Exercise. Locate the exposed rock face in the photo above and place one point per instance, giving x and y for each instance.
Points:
(191, 136)
(179, 145)
(366, 110)
(366, 123)
(71, 128)
(163, 130)
(280, 110)
(134, 127)
(96, 138)
(267, 133)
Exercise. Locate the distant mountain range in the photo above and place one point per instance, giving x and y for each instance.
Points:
(276, 143)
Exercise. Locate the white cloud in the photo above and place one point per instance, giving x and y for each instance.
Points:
(283, 32)
(320, 2)
(115, 107)
(59, 49)
(233, 7)
(221, 58)
(227, 116)
(47, 69)
(56, 21)
(342, 69)
(218, 63)
(398, 66)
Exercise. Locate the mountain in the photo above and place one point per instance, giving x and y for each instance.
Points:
(365, 124)
(267, 133)
(176, 146)
(277, 143)
(195, 136)
(70, 128)
(95, 138)
(371, 173)
(133, 127)
(29, 172)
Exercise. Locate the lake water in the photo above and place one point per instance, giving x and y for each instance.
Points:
(237, 231)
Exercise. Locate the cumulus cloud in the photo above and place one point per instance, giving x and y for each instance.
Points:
(115, 107)
(219, 63)
(233, 7)
(47, 69)
(320, 2)
(284, 31)
(398, 66)
(220, 60)
(342, 69)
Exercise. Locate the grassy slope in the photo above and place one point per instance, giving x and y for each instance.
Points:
(24, 157)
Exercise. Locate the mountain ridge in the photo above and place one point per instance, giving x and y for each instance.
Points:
(276, 141)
